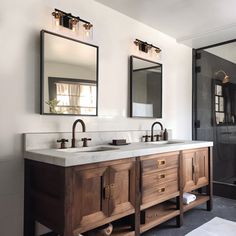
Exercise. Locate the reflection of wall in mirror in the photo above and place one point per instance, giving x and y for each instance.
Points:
(139, 85)
(154, 92)
(146, 87)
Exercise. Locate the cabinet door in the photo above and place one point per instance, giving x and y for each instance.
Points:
(122, 188)
(90, 196)
(201, 167)
(188, 171)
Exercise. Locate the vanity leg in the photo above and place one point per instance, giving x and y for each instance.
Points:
(29, 222)
(179, 205)
(210, 185)
(137, 213)
(179, 199)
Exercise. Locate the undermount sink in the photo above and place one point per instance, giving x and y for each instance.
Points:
(165, 142)
(88, 149)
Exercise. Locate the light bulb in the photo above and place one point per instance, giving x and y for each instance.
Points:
(88, 30)
(136, 43)
(73, 24)
(56, 18)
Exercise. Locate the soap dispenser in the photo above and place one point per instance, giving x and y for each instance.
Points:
(165, 134)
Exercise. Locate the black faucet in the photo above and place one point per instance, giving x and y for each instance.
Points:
(83, 130)
(156, 123)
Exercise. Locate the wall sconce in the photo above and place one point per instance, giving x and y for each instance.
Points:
(226, 78)
(71, 22)
(146, 47)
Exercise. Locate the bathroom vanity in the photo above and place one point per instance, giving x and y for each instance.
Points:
(74, 191)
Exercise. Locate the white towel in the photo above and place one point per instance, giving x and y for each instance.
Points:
(188, 198)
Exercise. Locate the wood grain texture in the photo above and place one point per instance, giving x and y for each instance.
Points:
(78, 199)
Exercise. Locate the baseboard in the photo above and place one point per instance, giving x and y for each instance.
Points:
(224, 190)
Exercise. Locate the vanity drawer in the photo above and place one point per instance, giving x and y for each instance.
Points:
(158, 162)
(157, 191)
(159, 177)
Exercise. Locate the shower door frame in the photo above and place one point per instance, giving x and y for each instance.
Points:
(220, 188)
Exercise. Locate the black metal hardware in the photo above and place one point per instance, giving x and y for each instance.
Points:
(85, 141)
(198, 56)
(144, 46)
(198, 69)
(197, 124)
(63, 142)
(73, 131)
(157, 136)
(66, 16)
(152, 128)
(146, 137)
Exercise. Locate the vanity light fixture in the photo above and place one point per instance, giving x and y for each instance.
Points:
(226, 77)
(146, 47)
(71, 22)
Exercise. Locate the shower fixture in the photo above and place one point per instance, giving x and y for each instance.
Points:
(226, 78)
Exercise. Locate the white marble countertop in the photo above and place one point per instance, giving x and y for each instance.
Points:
(80, 156)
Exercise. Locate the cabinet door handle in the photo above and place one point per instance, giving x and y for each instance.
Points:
(161, 176)
(112, 190)
(161, 162)
(107, 192)
(161, 190)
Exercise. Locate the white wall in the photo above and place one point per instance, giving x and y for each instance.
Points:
(20, 24)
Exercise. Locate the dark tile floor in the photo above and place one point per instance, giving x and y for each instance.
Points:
(223, 207)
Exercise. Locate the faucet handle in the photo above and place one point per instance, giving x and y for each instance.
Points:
(63, 142)
(146, 137)
(85, 141)
(157, 136)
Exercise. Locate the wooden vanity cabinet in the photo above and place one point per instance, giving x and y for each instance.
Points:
(90, 198)
(101, 194)
(195, 169)
(77, 199)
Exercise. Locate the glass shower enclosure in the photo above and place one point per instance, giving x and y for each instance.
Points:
(214, 110)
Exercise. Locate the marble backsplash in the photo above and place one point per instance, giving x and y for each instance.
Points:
(34, 141)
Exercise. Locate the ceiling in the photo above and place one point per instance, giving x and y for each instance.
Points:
(195, 23)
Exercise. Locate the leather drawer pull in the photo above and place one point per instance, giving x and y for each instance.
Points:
(107, 192)
(161, 162)
(161, 190)
(112, 190)
(161, 176)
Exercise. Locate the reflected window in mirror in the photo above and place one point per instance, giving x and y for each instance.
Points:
(69, 76)
(73, 96)
(145, 88)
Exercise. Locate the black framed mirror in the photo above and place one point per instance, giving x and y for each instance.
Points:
(145, 88)
(69, 76)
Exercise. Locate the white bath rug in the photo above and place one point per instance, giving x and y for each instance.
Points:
(215, 227)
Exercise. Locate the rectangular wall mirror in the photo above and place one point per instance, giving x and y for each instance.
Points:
(145, 88)
(69, 76)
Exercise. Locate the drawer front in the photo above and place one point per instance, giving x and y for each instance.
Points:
(157, 211)
(159, 177)
(157, 191)
(159, 162)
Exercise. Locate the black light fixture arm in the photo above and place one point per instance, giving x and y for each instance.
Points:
(147, 44)
(69, 15)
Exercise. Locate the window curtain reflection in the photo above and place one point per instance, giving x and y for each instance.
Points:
(76, 98)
